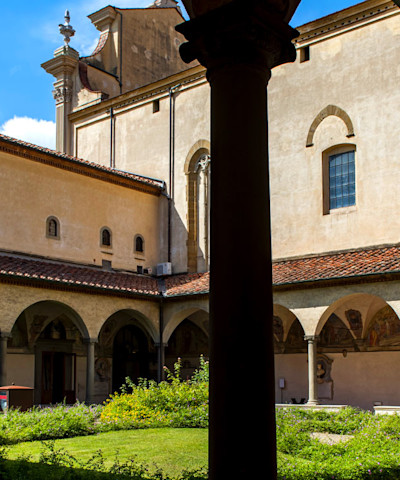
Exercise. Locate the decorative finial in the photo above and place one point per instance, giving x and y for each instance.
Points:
(66, 29)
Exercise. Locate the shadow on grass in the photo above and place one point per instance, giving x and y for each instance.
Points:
(23, 470)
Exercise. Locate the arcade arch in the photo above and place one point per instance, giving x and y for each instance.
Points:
(47, 342)
(186, 337)
(126, 348)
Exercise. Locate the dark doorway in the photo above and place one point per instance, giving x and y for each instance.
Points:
(188, 342)
(58, 377)
(130, 356)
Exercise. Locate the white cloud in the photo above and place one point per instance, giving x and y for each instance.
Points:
(32, 130)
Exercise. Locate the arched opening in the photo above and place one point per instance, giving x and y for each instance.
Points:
(290, 357)
(198, 171)
(358, 339)
(105, 237)
(188, 341)
(126, 348)
(131, 356)
(47, 345)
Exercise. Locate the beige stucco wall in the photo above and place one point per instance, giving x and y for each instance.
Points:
(360, 379)
(352, 71)
(293, 368)
(142, 145)
(31, 192)
(21, 370)
(357, 71)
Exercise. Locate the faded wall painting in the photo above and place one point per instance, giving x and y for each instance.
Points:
(335, 334)
(384, 330)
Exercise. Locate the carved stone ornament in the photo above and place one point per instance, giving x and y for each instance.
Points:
(62, 94)
(66, 29)
(203, 163)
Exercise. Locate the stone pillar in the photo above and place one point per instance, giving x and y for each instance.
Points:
(312, 341)
(3, 358)
(90, 371)
(62, 66)
(239, 43)
(161, 360)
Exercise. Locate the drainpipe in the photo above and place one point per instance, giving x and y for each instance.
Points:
(161, 344)
(112, 138)
(171, 161)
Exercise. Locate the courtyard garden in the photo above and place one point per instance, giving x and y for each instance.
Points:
(156, 431)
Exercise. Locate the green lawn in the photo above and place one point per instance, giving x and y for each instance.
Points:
(172, 449)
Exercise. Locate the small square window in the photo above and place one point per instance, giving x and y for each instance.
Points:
(305, 54)
(156, 106)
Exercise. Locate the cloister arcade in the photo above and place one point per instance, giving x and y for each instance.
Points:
(331, 346)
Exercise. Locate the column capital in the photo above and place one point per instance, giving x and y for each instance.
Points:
(311, 338)
(90, 340)
(5, 335)
(254, 35)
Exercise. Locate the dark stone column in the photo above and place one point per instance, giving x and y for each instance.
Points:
(239, 43)
(3, 358)
(90, 371)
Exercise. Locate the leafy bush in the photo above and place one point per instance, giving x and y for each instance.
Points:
(174, 402)
(59, 421)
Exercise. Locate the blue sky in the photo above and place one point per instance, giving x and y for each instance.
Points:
(29, 35)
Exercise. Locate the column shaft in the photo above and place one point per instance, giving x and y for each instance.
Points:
(242, 398)
(3, 360)
(90, 372)
(312, 370)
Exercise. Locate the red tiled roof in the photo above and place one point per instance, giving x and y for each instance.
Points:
(343, 265)
(357, 263)
(19, 268)
(69, 159)
(188, 284)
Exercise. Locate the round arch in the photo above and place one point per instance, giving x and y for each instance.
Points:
(197, 171)
(178, 317)
(355, 311)
(48, 311)
(124, 317)
(330, 110)
(287, 318)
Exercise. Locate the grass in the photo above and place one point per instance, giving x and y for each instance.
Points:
(172, 449)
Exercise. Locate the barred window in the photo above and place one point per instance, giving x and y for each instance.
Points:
(105, 237)
(52, 228)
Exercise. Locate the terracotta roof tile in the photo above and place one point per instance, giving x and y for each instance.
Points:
(343, 265)
(77, 276)
(371, 261)
(188, 284)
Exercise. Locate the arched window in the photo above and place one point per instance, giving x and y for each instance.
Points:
(139, 244)
(52, 228)
(198, 198)
(105, 237)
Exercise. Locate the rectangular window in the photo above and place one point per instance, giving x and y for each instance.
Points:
(342, 180)
(305, 54)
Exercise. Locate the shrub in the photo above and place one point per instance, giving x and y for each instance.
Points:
(44, 423)
(174, 402)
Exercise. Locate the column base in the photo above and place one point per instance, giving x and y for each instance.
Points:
(312, 402)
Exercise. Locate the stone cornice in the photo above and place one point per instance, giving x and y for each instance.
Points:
(75, 165)
(348, 19)
(155, 89)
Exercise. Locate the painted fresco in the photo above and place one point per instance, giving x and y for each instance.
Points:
(295, 340)
(384, 330)
(355, 321)
(335, 334)
(278, 329)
